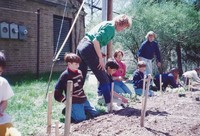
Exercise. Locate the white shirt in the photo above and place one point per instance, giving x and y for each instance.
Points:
(5, 90)
(192, 74)
(5, 93)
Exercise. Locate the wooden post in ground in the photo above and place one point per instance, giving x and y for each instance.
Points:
(49, 113)
(68, 108)
(144, 103)
(57, 128)
(189, 84)
(160, 77)
(111, 94)
(143, 87)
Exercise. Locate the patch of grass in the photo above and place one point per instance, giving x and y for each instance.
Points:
(29, 77)
(28, 106)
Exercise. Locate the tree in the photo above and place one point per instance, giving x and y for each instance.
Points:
(176, 24)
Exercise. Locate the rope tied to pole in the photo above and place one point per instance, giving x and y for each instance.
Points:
(56, 55)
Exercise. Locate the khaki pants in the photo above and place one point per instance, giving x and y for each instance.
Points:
(3, 128)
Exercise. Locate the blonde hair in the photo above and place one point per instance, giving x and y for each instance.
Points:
(141, 64)
(123, 20)
(150, 33)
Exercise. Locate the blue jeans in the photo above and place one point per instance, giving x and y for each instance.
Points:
(89, 58)
(120, 88)
(139, 92)
(79, 110)
(149, 66)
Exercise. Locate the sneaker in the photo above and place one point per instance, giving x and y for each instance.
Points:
(124, 105)
(115, 107)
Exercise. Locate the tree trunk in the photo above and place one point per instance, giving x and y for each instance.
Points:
(178, 52)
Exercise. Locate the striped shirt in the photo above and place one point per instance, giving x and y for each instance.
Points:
(78, 95)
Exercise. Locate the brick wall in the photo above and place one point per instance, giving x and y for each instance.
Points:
(22, 55)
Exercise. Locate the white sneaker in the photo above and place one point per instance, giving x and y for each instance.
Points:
(115, 107)
(124, 105)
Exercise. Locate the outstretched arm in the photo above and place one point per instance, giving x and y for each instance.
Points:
(124, 100)
(157, 52)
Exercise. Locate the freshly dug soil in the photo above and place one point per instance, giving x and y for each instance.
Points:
(167, 115)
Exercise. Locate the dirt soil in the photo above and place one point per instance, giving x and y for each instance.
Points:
(167, 115)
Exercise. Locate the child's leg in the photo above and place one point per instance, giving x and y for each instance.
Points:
(151, 93)
(138, 92)
(3, 128)
(148, 66)
(126, 89)
(90, 109)
(78, 112)
(117, 87)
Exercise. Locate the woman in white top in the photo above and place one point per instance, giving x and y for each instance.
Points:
(193, 75)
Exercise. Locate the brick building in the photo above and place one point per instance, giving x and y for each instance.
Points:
(34, 53)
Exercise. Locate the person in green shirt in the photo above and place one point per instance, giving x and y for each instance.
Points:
(89, 50)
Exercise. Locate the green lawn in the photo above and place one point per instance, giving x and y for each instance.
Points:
(28, 107)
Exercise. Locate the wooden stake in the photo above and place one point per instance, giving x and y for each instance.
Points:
(189, 84)
(68, 107)
(57, 128)
(49, 113)
(143, 87)
(111, 94)
(160, 77)
(144, 103)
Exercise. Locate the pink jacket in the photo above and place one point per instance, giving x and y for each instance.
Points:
(121, 70)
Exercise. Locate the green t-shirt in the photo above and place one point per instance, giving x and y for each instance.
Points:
(103, 32)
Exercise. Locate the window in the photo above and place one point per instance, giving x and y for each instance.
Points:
(57, 20)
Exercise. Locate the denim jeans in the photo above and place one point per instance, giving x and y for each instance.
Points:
(121, 88)
(79, 111)
(89, 58)
(139, 92)
(149, 66)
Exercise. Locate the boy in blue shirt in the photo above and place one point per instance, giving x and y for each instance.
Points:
(138, 79)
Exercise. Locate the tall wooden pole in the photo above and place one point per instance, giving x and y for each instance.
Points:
(144, 103)
(68, 107)
(104, 18)
(57, 128)
(49, 113)
(111, 100)
(160, 77)
(109, 17)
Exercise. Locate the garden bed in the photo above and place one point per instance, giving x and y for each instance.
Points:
(167, 115)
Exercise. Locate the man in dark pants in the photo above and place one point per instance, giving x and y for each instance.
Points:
(89, 50)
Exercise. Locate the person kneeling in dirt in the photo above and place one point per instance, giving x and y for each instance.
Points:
(168, 79)
(193, 75)
(119, 76)
(111, 67)
(138, 77)
(80, 104)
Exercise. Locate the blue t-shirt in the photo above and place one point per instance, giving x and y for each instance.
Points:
(167, 79)
(138, 78)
